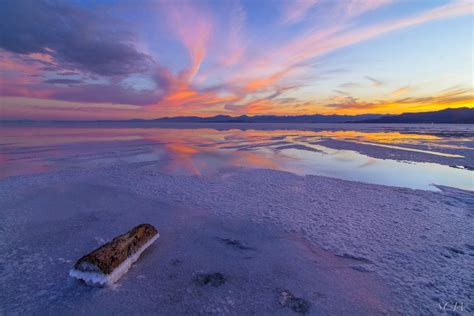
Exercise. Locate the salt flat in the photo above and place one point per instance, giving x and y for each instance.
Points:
(328, 224)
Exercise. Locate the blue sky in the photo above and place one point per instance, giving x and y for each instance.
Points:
(146, 59)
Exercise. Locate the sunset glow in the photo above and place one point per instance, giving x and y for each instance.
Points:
(87, 60)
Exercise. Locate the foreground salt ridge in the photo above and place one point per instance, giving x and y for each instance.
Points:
(112, 259)
(101, 279)
(418, 241)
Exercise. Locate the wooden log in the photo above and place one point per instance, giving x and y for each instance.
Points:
(110, 262)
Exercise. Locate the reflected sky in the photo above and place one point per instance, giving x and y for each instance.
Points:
(205, 151)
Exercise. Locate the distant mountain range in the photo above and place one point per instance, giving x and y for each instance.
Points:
(451, 116)
(447, 116)
(316, 118)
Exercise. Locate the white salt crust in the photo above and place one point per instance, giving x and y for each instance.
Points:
(101, 279)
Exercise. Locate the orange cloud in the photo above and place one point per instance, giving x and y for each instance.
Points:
(400, 91)
(17, 75)
(181, 95)
(42, 57)
(265, 81)
(454, 98)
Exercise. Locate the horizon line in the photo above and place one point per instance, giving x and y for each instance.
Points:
(226, 115)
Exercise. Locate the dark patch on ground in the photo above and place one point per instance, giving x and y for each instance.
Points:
(471, 247)
(361, 268)
(356, 258)
(463, 167)
(235, 244)
(176, 262)
(214, 279)
(455, 250)
(297, 304)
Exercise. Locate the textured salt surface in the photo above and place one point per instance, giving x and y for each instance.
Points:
(272, 241)
(372, 151)
(341, 246)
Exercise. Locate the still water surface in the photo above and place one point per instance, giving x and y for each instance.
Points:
(201, 150)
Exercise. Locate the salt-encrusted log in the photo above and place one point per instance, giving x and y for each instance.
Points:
(110, 262)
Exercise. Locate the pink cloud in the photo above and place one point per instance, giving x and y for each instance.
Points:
(193, 27)
(277, 62)
(296, 11)
(357, 7)
(235, 42)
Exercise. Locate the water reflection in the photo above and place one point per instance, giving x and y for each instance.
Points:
(206, 151)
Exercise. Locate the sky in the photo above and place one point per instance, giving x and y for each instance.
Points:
(111, 59)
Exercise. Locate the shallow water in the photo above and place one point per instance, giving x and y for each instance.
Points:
(199, 150)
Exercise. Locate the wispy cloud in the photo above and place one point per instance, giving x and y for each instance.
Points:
(235, 43)
(342, 92)
(349, 85)
(193, 26)
(357, 7)
(375, 82)
(398, 92)
(296, 11)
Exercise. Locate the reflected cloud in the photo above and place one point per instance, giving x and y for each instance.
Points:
(202, 152)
